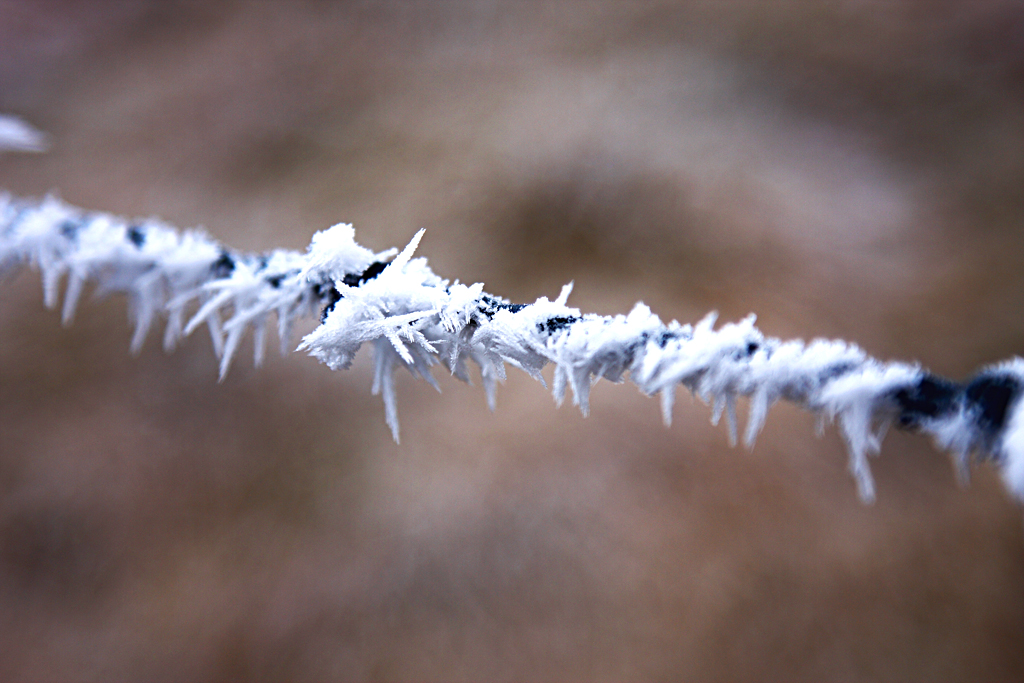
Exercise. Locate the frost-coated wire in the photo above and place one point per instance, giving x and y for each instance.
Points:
(415, 319)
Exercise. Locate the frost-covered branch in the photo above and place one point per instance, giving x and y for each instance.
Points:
(414, 320)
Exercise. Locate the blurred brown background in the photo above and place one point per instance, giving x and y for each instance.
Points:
(844, 169)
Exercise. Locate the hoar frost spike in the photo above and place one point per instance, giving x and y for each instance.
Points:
(414, 320)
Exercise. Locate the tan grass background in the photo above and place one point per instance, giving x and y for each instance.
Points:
(844, 169)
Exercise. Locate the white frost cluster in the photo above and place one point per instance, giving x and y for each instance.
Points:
(415, 319)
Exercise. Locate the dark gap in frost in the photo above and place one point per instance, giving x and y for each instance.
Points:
(837, 370)
(69, 228)
(931, 397)
(136, 236)
(330, 295)
(489, 305)
(372, 271)
(223, 266)
(555, 323)
(992, 395)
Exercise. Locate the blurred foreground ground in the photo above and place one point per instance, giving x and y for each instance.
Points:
(846, 170)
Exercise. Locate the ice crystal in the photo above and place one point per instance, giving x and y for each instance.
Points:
(18, 136)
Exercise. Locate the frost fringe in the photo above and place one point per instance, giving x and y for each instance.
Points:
(414, 319)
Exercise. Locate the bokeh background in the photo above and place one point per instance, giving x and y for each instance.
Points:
(843, 169)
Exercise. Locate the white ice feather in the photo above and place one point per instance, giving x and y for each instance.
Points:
(18, 136)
